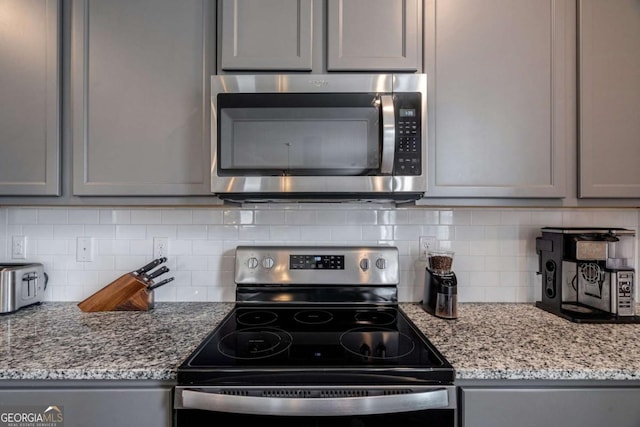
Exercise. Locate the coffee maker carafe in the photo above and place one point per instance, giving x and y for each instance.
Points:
(587, 274)
(441, 285)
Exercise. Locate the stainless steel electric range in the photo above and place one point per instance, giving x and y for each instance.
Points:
(316, 337)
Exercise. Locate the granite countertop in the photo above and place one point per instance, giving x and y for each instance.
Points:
(521, 341)
(487, 341)
(59, 341)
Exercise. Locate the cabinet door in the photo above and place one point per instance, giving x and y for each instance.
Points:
(85, 405)
(370, 35)
(30, 88)
(567, 407)
(501, 97)
(140, 98)
(266, 35)
(609, 43)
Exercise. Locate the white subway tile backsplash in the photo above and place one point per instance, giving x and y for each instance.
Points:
(485, 217)
(53, 216)
(146, 216)
(102, 231)
(283, 233)
(115, 216)
(67, 231)
(23, 216)
(362, 217)
(206, 216)
(315, 233)
(239, 216)
(40, 231)
(131, 232)
(495, 258)
(195, 232)
(166, 230)
(346, 233)
(331, 217)
(50, 247)
(270, 217)
(299, 217)
(83, 216)
(177, 216)
(468, 232)
(223, 232)
(208, 247)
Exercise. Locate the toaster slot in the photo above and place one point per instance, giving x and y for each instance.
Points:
(29, 285)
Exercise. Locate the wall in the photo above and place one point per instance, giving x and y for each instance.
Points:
(495, 257)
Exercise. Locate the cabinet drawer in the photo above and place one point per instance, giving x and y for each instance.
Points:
(568, 407)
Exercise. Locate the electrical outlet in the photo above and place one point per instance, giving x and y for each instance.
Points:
(160, 247)
(84, 249)
(426, 243)
(19, 247)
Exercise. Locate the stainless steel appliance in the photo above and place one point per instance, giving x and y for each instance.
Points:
(440, 285)
(316, 337)
(588, 274)
(338, 136)
(21, 285)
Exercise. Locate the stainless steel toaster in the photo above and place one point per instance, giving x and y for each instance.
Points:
(21, 285)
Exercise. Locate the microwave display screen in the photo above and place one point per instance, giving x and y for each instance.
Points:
(405, 112)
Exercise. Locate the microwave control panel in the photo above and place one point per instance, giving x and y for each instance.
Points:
(408, 156)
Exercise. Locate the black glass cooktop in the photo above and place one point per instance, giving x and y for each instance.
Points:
(307, 343)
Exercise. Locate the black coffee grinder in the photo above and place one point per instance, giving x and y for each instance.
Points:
(440, 286)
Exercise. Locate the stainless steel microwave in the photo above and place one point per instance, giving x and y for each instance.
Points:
(327, 137)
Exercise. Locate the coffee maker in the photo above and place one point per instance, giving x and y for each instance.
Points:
(587, 274)
(440, 286)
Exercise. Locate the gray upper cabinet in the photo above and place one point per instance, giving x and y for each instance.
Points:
(609, 134)
(266, 34)
(140, 96)
(30, 88)
(304, 35)
(501, 96)
(374, 35)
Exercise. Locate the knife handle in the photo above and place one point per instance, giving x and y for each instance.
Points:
(157, 273)
(149, 266)
(157, 285)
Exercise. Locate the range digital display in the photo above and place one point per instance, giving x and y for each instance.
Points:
(316, 262)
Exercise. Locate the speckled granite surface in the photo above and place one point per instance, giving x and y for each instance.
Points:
(487, 341)
(521, 341)
(59, 341)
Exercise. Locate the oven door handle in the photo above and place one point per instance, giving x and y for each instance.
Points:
(437, 398)
(388, 134)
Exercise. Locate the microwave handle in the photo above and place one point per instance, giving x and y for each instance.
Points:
(388, 134)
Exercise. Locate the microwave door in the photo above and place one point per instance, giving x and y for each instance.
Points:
(328, 143)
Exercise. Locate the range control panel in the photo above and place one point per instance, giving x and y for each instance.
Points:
(369, 265)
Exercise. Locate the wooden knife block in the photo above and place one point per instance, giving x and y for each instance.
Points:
(127, 293)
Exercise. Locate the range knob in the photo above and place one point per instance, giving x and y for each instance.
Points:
(381, 263)
(268, 262)
(364, 264)
(252, 263)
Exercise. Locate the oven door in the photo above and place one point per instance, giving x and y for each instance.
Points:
(296, 135)
(318, 406)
